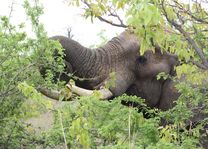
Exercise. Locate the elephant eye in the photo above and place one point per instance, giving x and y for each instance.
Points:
(141, 59)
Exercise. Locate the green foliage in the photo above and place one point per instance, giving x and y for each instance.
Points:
(21, 57)
(90, 123)
(180, 28)
(37, 104)
(153, 22)
(14, 134)
(193, 74)
(87, 122)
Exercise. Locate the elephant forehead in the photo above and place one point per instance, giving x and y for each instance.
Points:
(149, 54)
(152, 69)
(129, 41)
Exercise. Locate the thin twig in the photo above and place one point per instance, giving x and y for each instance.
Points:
(129, 125)
(10, 15)
(109, 22)
(11, 10)
(62, 128)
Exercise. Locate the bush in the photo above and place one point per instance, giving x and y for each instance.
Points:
(20, 60)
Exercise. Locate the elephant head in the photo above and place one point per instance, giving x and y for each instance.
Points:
(147, 86)
(161, 93)
(152, 63)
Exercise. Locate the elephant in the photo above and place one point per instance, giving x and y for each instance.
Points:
(134, 74)
(95, 66)
(120, 56)
(158, 93)
(162, 93)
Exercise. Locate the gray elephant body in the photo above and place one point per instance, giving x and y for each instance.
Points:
(134, 74)
(162, 94)
(158, 93)
(95, 65)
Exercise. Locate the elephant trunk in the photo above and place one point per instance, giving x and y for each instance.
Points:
(84, 62)
(95, 65)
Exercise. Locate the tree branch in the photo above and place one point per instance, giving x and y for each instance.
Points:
(201, 66)
(107, 21)
(187, 37)
(190, 13)
(111, 23)
(69, 33)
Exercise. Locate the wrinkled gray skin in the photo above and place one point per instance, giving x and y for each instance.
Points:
(94, 65)
(161, 93)
(158, 93)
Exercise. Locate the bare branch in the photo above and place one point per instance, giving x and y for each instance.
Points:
(111, 23)
(119, 19)
(69, 33)
(11, 10)
(106, 20)
(10, 15)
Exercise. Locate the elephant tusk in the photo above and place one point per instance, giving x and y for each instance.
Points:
(105, 93)
(54, 94)
(50, 93)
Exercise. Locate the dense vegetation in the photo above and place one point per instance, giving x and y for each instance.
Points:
(87, 122)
